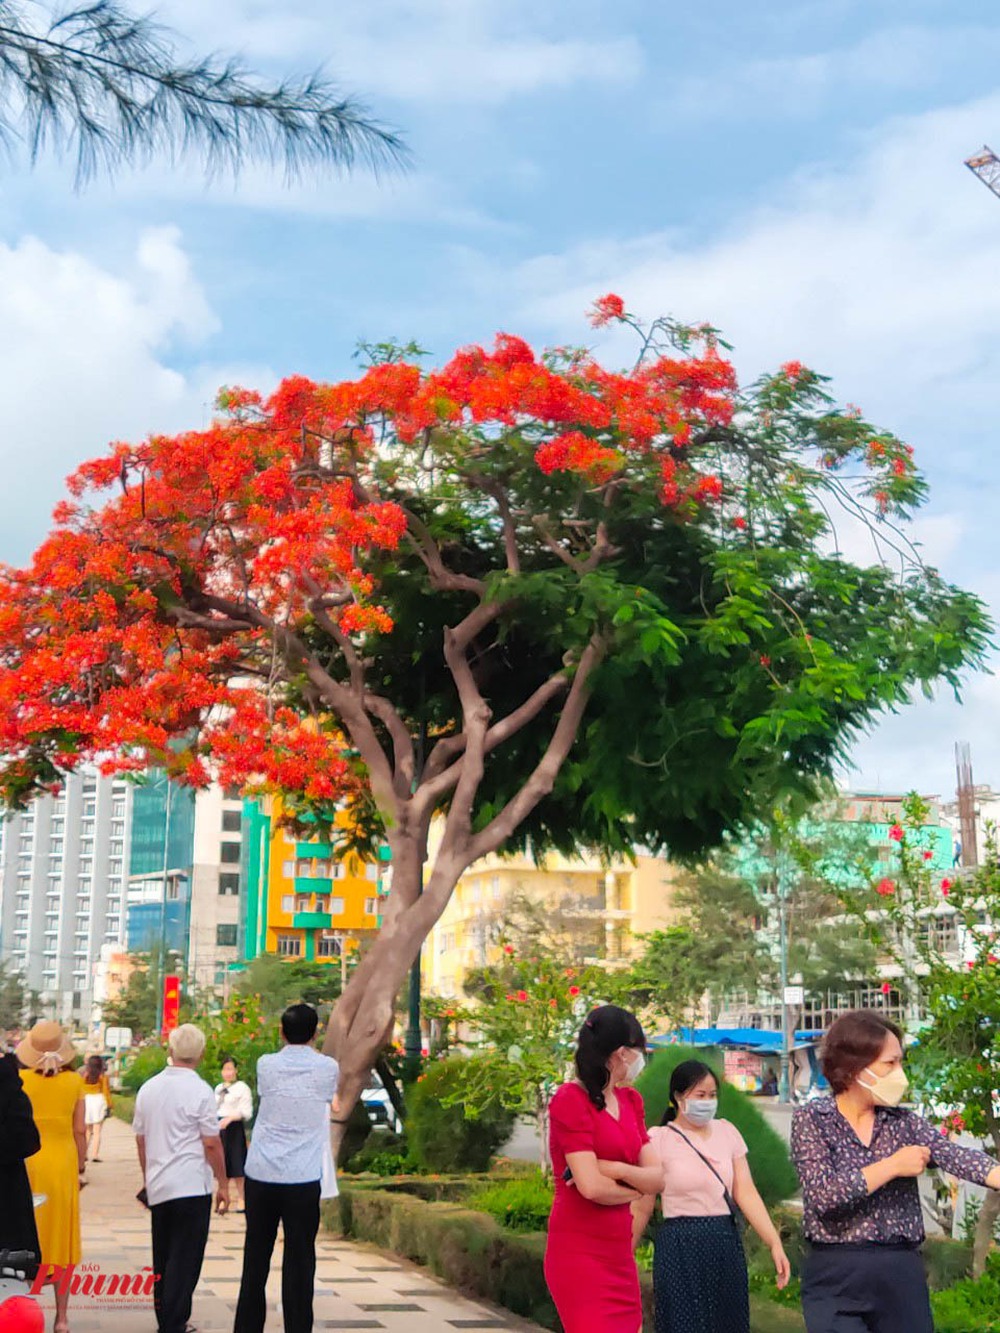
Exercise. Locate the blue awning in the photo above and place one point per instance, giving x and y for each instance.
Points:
(761, 1040)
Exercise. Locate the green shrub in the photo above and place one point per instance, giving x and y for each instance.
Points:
(147, 1061)
(767, 1154)
(519, 1205)
(970, 1306)
(123, 1106)
(384, 1154)
(444, 1138)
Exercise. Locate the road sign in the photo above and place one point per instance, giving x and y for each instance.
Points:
(171, 1002)
(794, 995)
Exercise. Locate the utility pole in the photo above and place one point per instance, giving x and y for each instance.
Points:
(784, 1087)
(162, 932)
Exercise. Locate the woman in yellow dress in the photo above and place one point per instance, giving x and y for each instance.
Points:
(56, 1094)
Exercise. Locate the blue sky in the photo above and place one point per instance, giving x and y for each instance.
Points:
(789, 170)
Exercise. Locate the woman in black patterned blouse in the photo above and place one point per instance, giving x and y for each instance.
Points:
(858, 1155)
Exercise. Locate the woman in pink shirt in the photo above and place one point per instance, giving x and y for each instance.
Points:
(699, 1268)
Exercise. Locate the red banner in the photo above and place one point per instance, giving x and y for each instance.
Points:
(171, 1002)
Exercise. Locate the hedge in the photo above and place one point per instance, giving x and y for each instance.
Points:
(475, 1255)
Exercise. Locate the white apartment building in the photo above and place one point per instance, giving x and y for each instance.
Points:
(63, 863)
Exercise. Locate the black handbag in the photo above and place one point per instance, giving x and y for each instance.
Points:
(739, 1221)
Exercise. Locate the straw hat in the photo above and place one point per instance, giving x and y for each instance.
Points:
(45, 1044)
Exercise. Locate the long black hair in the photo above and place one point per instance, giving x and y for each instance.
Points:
(684, 1077)
(93, 1070)
(603, 1032)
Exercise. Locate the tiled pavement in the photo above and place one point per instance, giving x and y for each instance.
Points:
(356, 1288)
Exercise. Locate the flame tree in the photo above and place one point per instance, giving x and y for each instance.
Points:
(552, 603)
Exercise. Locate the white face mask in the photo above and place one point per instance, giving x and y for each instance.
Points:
(886, 1089)
(700, 1110)
(635, 1063)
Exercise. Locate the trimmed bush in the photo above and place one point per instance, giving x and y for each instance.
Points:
(519, 1205)
(767, 1154)
(444, 1138)
(467, 1249)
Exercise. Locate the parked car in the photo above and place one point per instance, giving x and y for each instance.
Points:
(381, 1111)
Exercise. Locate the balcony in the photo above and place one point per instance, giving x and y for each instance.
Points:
(320, 850)
(312, 920)
(324, 886)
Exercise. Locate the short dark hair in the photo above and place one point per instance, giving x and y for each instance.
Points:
(853, 1041)
(604, 1031)
(682, 1080)
(299, 1023)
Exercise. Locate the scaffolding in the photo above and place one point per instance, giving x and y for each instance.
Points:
(986, 165)
(966, 793)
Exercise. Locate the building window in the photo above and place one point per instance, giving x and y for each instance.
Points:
(371, 907)
(328, 946)
(225, 935)
(288, 904)
(336, 907)
(302, 904)
(229, 885)
(232, 821)
(229, 853)
(288, 869)
(289, 946)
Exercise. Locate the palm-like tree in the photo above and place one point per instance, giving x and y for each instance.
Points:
(108, 86)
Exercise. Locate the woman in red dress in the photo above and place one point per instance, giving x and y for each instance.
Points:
(602, 1159)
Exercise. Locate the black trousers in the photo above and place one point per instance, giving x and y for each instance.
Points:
(296, 1207)
(180, 1234)
(865, 1289)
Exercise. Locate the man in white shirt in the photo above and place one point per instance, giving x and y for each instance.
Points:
(284, 1166)
(177, 1134)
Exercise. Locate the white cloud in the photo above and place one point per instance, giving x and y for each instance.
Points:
(478, 52)
(83, 363)
(888, 60)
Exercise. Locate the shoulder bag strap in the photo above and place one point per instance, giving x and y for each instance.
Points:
(731, 1203)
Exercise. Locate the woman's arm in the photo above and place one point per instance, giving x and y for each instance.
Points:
(965, 1163)
(752, 1206)
(593, 1184)
(642, 1211)
(106, 1089)
(646, 1176)
(80, 1135)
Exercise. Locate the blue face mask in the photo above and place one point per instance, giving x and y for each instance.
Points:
(700, 1110)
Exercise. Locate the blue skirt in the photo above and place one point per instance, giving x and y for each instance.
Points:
(700, 1277)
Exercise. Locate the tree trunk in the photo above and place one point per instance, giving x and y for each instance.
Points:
(985, 1229)
(362, 1021)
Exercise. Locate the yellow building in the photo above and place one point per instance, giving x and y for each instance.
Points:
(604, 908)
(303, 899)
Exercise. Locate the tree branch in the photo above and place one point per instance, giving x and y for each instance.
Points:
(542, 779)
(441, 779)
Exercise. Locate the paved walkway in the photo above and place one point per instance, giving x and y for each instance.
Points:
(356, 1287)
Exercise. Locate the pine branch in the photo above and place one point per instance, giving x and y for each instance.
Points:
(107, 85)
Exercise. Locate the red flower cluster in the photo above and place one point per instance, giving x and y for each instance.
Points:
(896, 833)
(605, 309)
(885, 888)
